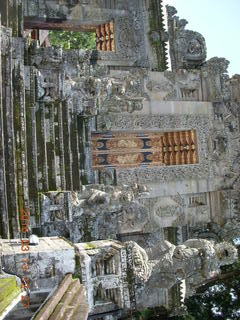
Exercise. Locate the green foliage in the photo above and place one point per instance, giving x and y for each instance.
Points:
(73, 39)
(218, 301)
(145, 314)
(90, 246)
(160, 313)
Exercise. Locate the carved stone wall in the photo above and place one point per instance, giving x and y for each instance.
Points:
(52, 100)
(130, 25)
(98, 212)
(176, 86)
(169, 122)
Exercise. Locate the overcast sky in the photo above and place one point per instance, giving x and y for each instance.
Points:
(219, 22)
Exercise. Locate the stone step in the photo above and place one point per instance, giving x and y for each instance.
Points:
(66, 300)
(68, 313)
(80, 302)
(51, 304)
(80, 295)
(81, 312)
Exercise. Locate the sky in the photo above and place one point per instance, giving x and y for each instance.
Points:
(219, 22)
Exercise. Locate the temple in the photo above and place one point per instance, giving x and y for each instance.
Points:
(127, 161)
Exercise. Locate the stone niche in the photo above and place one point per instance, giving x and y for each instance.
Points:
(104, 272)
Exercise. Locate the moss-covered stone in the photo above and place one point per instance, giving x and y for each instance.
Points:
(89, 246)
(9, 290)
(157, 26)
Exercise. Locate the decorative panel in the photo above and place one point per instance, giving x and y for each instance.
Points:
(105, 37)
(125, 149)
(197, 200)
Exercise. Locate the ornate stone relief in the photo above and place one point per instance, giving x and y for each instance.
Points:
(216, 76)
(130, 42)
(187, 48)
(163, 122)
(196, 260)
(212, 231)
(178, 86)
(98, 212)
(234, 84)
(47, 86)
(122, 93)
(167, 212)
(225, 139)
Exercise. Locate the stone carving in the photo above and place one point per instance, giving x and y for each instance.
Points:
(47, 88)
(228, 232)
(5, 41)
(132, 218)
(112, 196)
(165, 88)
(51, 57)
(140, 265)
(90, 94)
(103, 266)
(182, 85)
(196, 259)
(98, 212)
(216, 75)
(188, 85)
(234, 84)
(187, 48)
(83, 93)
(122, 94)
(130, 42)
(167, 212)
(163, 122)
(231, 230)
(54, 207)
(224, 137)
(67, 96)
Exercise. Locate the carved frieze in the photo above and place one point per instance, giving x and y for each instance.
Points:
(164, 122)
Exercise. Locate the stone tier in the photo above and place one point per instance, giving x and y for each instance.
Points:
(67, 302)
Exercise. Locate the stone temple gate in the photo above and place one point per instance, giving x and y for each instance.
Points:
(111, 144)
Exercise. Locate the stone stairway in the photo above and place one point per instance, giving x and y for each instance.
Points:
(67, 303)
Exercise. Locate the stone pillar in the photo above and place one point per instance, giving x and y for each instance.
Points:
(3, 196)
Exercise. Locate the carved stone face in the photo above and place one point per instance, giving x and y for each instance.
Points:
(195, 47)
(190, 48)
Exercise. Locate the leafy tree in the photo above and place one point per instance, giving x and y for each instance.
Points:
(73, 39)
(219, 299)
